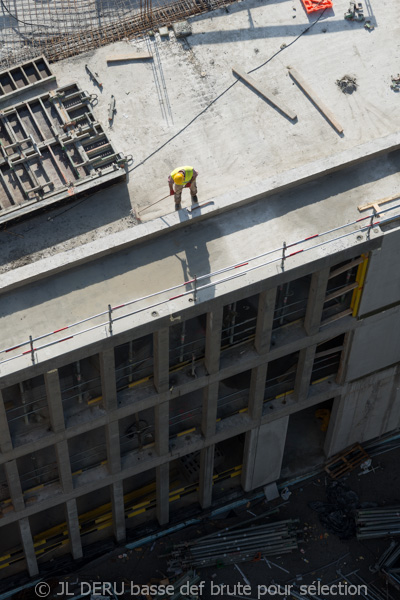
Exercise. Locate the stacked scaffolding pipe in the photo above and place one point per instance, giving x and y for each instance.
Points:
(243, 544)
(378, 522)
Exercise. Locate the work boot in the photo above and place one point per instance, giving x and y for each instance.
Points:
(178, 206)
(195, 199)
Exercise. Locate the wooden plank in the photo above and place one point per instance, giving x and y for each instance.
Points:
(376, 204)
(347, 267)
(315, 99)
(341, 291)
(265, 93)
(129, 56)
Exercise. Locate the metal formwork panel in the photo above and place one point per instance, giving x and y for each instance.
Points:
(24, 77)
(51, 149)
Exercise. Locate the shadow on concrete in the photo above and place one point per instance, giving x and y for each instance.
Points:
(52, 227)
(191, 244)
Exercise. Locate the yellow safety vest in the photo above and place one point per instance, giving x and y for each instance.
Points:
(188, 173)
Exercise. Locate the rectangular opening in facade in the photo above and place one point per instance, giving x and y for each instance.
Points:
(233, 394)
(12, 557)
(305, 439)
(281, 376)
(185, 413)
(187, 341)
(239, 321)
(50, 533)
(340, 289)
(327, 359)
(134, 362)
(38, 474)
(136, 432)
(228, 460)
(88, 453)
(291, 302)
(184, 482)
(27, 410)
(81, 391)
(140, 499)
(5, 502)
(95, 515)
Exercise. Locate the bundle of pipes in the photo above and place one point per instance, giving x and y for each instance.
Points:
(378, 522)
(389, 564)
(236, 545)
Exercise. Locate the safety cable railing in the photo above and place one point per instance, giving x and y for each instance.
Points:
(194, 289)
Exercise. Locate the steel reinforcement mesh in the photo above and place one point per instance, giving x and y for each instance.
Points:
(62, 28)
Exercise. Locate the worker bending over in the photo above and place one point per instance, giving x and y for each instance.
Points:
(180, 178)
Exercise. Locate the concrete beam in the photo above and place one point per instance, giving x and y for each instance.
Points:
(316, 299)
(118, 510)
(14, 485)
(54, 400)
(303, 373)
(257, 390)
(27, 544)
(161, 428)
(64, 466)
(71, 512)
(161, 359)
(209, 412)
(265, 320)
(108, 381)
(113, 447)
(206, 476)
(5, 436)
(213, 339)
(162, 493)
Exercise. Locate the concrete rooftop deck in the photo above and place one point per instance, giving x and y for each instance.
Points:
(241, 145)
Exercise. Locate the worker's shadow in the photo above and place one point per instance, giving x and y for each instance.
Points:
(194, 258)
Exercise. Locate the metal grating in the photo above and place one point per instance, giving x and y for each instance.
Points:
(52, 149)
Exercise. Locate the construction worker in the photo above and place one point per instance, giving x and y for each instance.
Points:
(180, 178)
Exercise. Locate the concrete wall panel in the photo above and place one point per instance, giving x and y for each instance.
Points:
(382, 284)
(376, 345)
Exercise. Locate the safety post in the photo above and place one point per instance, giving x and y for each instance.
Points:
(32, 349)
(110, 318)
(195, 289)
(283, 256)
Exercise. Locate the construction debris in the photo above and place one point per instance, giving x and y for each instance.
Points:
(265, 93)
(368, 26)
(182, 29)
(395, 85)
(389, 565)
(129, 56)
(337, 514)
(93, 76)
(315, 99)
(378, 522)
(234, 545)
(347, 84)
(111, 109)
(346, 461)
(355, 12)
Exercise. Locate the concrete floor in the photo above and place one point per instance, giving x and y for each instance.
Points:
(177, 109)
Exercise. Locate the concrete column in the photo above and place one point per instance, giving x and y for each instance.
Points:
(118, 511)
(161, 359)
(27, 544)
(265, 318)
(71, 512)
(113, 447)
(161, 428)
(209, 414)
(64, 466)
(257, 390)
(162, 493)
(14, 485)
(263, 454)
(206, 476)
(54, 400)
(316, 298)
(108, 380)
(5, 436)
(213, 340)
(303, 373)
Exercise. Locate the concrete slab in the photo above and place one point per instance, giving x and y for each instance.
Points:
(179, 110)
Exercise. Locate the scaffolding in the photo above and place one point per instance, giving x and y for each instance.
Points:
(63, 28)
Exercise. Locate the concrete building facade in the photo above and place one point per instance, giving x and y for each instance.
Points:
(213, 386)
